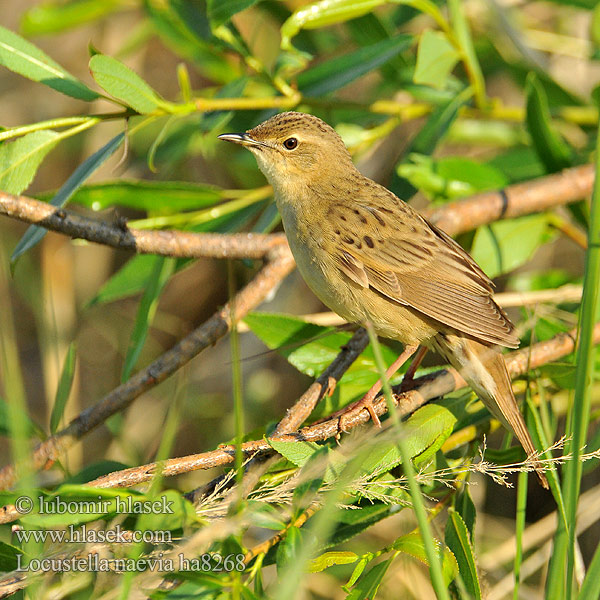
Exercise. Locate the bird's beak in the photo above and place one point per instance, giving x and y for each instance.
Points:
(241, 138)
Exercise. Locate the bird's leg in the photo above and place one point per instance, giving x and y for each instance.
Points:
(414, 365)
(367, 400)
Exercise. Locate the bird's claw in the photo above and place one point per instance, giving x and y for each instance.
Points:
(365, 402)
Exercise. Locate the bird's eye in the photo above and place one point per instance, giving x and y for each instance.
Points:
(290, 143)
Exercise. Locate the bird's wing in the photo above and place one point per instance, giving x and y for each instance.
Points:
(411, 261)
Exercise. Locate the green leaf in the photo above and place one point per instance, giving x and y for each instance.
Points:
(328, 559)
(161, 271)
(19, 160)
(506, 245)
(436, 57)
(549, 145)
(64, 388)
(450, 177)
(9, 554)
(464, 506)
(175, 30)
(338, 72)
(412, 544)
(368, 584)
(425, 432)
(221, 11)
(127, 281)
(124, 84)
(5, 429)
(34, 233)
(458, 540)
(289, 548)
(95, 470)
(352, 522)
(297, 452)
(28, 60)
(294, 339)
(54, 17)
(152, 196)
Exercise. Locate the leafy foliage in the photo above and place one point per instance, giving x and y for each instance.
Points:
(416, 78)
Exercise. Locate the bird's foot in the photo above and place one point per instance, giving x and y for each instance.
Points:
(330, 387)
(365, 402)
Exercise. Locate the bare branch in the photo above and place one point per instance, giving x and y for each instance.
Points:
(515, 200)
(425, 388)
(214, 328)
(178, 244)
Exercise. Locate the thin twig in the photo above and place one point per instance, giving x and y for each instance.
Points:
(566, 293)
(515, 200)
(217, 326)
(425, 388)
(177, 244)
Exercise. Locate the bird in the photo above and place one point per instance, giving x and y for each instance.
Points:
(371, 258)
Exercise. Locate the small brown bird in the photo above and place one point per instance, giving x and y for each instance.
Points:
(371, 258)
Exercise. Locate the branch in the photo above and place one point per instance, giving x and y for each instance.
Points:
(177, 244)
(425, 388)
(279, 265)
(515, 200)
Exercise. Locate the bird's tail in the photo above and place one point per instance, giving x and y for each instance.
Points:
(484, 369)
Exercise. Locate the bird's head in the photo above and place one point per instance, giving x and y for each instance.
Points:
(293, 149)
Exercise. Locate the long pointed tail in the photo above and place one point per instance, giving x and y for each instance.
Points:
(484, 369)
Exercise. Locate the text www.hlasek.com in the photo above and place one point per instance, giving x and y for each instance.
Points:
(75, 534)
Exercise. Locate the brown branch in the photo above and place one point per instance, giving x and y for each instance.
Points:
(325, 383)
(178, 244)
(279, 265)
(568, 186)
(515, 200)
(425, 388)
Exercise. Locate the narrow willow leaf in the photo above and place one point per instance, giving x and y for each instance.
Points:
(412, 544)
(19, 160)
(369, 583)
(458, 540)
(64, 388)
(338, 72)
(436, 57)
(163, 269)
(352, 522)
(310, 348)
(550, 147)
(9, 557)
(124, 84)
(328, 559)
(34, 233)
(289, 548)
(424, 432)
(22, 57)
(297, 452)
(152, 196)
(127, 281)
(464, 506)
(54, 17)
(321, 14)
(6, 412)
(506, 245)
(221, 11)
